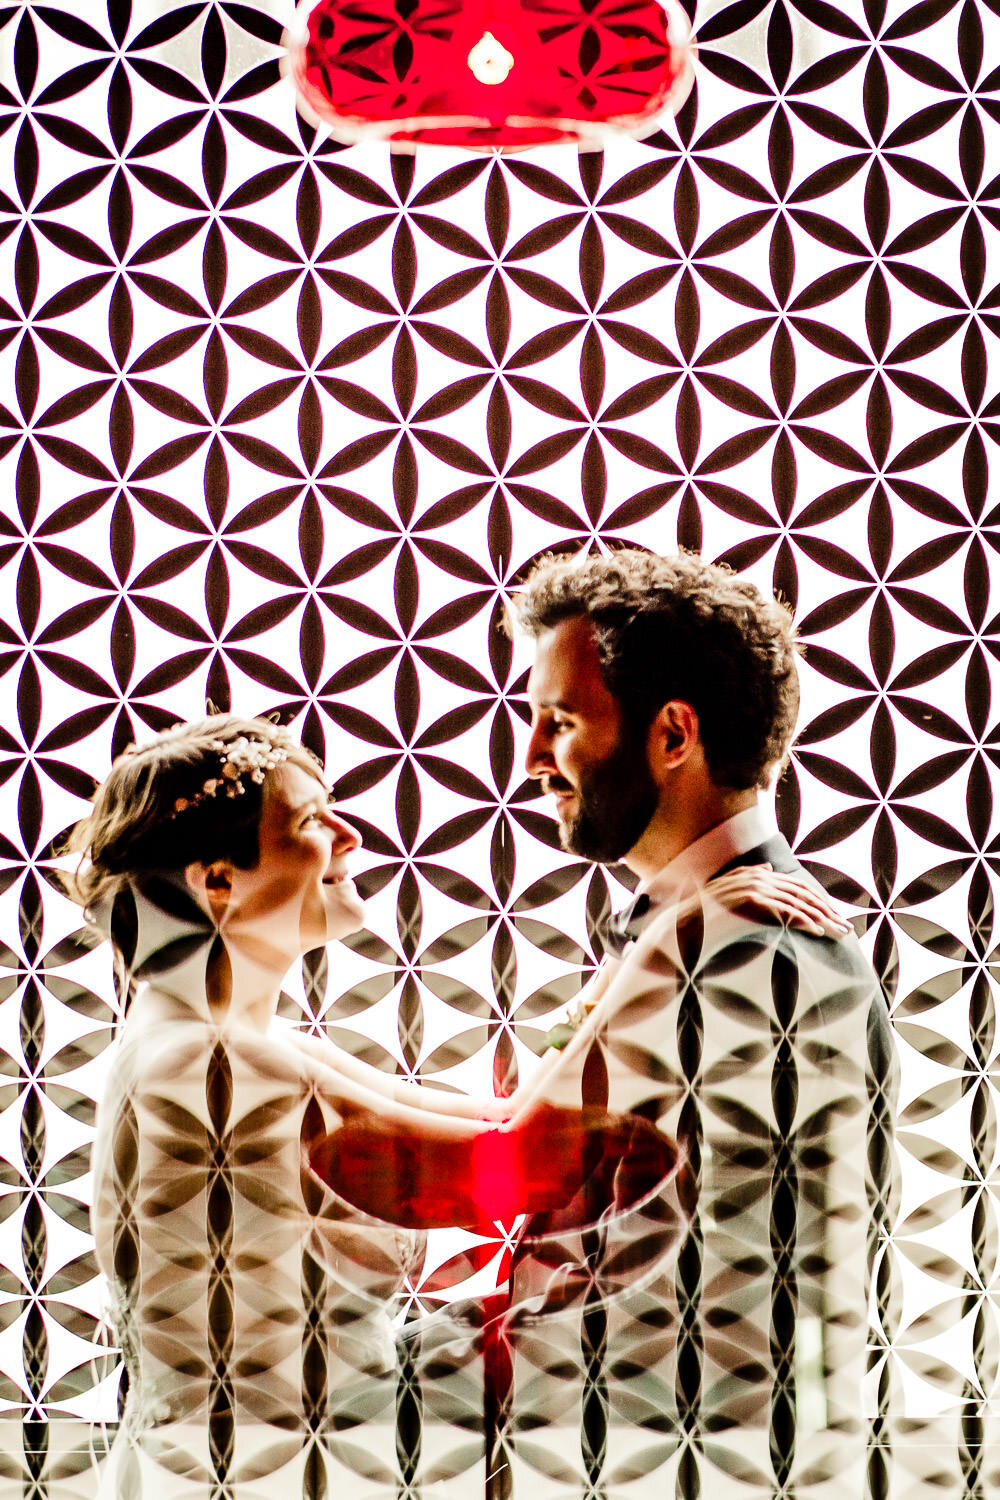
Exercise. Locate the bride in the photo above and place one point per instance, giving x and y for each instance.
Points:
(249, 1300)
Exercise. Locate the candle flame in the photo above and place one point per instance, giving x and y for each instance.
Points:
(489, 59)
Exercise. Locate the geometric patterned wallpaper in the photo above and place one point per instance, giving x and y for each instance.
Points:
(282, 421)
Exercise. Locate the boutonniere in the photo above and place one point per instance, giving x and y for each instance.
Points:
(562, 1034)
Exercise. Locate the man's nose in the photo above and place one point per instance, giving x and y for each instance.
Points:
(538, 760)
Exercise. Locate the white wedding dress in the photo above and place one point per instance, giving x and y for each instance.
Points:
(252, 1305)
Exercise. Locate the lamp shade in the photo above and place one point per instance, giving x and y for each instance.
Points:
(489, 74)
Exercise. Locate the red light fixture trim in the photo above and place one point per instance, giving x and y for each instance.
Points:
(489, 74)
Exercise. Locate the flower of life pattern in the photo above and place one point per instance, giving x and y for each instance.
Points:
(281, 424)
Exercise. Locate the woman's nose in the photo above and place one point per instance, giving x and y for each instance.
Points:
(345, 838)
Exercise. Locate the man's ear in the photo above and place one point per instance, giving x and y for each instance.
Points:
(212, 884)
(673, 736)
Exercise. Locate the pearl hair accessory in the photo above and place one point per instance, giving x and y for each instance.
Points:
(240, 758)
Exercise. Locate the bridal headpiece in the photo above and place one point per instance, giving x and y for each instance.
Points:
(241, 760)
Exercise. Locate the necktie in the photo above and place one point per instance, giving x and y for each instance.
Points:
(626, 925)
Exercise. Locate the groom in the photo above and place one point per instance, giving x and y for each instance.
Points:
(664, 693)
(708, 1338)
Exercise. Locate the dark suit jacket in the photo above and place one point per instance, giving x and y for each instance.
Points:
(713, 1341)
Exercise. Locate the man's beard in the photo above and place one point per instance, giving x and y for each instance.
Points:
(615, 804)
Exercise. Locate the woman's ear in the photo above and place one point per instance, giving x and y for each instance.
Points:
(673, 736)
(212, 884)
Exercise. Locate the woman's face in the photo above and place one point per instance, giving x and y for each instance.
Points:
(302, 871)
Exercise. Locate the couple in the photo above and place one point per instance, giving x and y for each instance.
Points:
(250, 1295)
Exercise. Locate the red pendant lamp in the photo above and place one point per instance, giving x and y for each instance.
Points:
(489, 74)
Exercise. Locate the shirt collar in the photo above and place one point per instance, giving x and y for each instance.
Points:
(699, 861)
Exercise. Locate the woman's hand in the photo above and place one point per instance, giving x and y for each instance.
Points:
(763, 894)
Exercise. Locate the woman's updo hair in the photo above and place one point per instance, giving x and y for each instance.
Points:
(194, 793)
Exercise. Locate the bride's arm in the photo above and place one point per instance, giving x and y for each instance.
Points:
(327, 1054)
(352, 1088)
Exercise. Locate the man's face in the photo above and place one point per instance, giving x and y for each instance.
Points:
(581, 750)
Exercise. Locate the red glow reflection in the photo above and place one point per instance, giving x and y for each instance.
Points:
(572, 1166)
(401, 69)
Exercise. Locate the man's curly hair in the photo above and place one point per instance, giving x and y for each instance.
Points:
(676, 627)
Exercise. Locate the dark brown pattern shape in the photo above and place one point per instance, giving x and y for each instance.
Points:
(281, 423)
